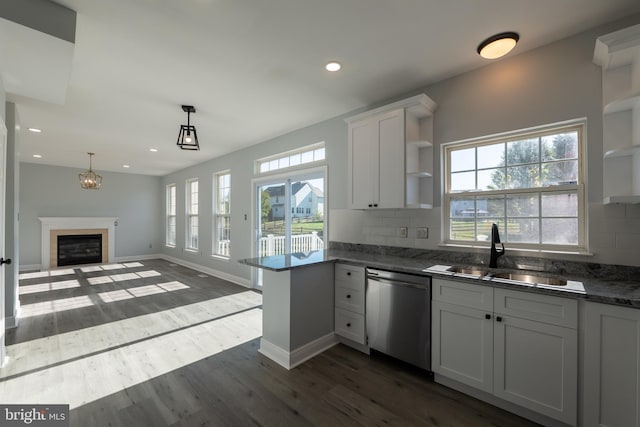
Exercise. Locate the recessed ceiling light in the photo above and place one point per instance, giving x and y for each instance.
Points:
(37, 156)
(35, 130)
(498, 45)
(126, 166)
(333, 66)
(153, 150)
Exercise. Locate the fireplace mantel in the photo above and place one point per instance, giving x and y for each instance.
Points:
(75, 223)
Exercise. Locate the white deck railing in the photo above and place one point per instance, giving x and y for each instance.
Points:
(275, 245)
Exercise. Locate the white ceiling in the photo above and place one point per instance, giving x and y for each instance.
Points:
(254, 69)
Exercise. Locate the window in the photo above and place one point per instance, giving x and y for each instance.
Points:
(192, 214)
(308, 154)
(171, 215)
(529, 183)
(222, 214)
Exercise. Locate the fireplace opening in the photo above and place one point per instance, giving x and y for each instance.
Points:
(79, 249)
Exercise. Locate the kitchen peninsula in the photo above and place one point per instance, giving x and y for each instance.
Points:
(297, 306)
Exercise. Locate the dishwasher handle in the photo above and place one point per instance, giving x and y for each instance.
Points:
(395, 282)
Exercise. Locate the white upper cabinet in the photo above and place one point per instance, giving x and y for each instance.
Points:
(618, 54)
(391, 156)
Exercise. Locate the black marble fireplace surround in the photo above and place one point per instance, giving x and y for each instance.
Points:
(77, 249)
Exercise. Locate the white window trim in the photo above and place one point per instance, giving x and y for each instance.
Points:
(215, 216)
(189, 215)
(581, 189)
(168, 214)
(299, 167)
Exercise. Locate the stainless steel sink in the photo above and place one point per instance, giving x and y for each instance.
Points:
(472, 271)
(528, 278)
(517, 277)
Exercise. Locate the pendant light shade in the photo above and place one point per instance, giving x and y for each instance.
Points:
(187, 137)
(498, 45)
(89, 180)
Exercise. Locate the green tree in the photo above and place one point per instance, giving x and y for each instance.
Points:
(265, 204)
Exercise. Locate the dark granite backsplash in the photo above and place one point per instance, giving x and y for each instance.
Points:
(553, 266)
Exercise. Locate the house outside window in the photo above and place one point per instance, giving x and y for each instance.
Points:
(530, 183)
(192, 214)
(222, 214)
(171, 215)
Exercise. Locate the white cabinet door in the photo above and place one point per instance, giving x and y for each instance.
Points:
(462, 344)
(391, 176)
(363, 158)
(535, 366)
(611, 366)
(376, 161)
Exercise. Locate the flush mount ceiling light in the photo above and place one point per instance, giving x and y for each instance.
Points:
(35, 130)
(499, 45)
(333, 66)
(89, 180)
(188, 138)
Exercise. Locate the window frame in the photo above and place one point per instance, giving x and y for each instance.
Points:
(579, 188)
(215, 252)
(190, 215)
(302, 165)
(171, 213)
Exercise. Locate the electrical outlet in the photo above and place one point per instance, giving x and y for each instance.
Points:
(404, 232)
(422, 232)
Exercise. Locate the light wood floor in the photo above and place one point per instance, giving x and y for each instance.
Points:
(142, 350)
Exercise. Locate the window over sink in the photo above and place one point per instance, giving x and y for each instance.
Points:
(528, 182)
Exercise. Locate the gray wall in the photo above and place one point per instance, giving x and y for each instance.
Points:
(551, 84)
(11, 231)
(241, 165)
(55, 191)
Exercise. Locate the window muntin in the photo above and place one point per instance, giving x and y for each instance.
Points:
(309, 154)
(529, 184)
(192, 214)
(222, 214)
(171, 215)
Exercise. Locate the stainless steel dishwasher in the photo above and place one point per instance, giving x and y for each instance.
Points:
(398, 316)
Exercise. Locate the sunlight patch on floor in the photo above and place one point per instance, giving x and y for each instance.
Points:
(96, 376)
(43, 352)
(49, 286)
(54, 306)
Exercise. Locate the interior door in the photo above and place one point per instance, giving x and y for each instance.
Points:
(3, 152)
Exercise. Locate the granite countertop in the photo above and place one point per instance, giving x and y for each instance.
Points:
(619, 292)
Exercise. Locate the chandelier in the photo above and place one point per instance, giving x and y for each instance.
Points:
(187, 137)
(90, 180)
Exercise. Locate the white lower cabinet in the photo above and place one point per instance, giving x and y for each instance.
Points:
(349, 302)
(518, 346)
(611, 366)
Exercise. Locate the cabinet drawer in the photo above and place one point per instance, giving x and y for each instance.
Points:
(542, 308)
(349, 298)
(465, 294)
(350, 325)
(350, 276)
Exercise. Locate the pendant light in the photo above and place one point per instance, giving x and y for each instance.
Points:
(89, 180)
(498, 45)
(187, 137)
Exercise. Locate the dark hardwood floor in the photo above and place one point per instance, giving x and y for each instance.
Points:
(239, 386)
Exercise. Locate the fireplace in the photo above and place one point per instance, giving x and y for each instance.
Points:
(74, 249)
(54, 227)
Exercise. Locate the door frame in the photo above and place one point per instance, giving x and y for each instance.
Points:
(255, 200)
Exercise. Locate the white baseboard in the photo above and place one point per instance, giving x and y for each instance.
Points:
(136, 257)
(13, 321)
(30, 267)
(290, 360)
(213, 272)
